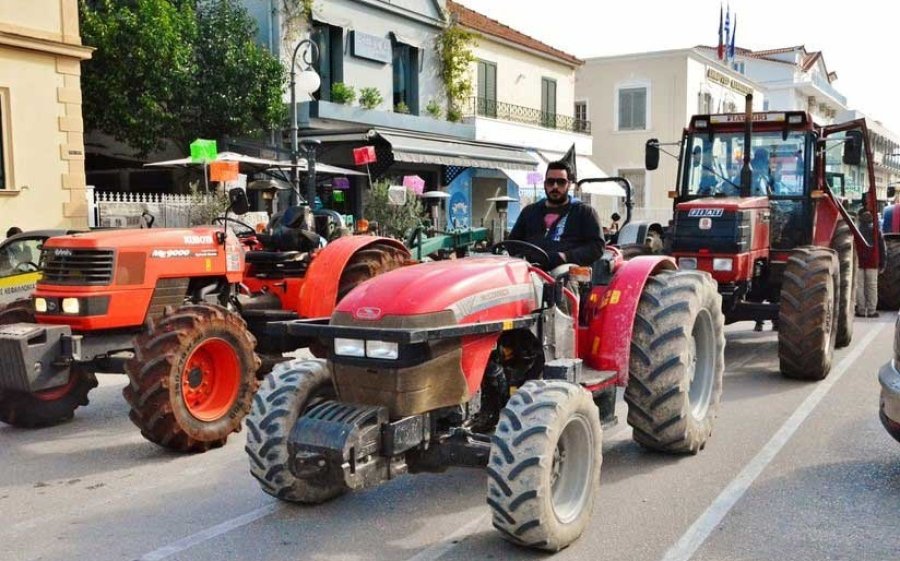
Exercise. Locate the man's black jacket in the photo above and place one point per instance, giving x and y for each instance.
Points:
(580, 237)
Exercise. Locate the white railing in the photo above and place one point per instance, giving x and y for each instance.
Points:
(124, 210)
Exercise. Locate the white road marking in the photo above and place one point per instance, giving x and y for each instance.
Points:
(700, 530)
(210, 533)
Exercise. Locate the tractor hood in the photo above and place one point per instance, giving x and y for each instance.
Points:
(715, 206)
(474, 289)
(146, 239)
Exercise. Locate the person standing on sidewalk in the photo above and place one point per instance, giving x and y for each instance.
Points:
(867, 285)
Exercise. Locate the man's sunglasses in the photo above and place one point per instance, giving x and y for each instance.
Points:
(558, 181)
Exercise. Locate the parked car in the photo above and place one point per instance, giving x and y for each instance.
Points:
(889, 377)
(20, 262)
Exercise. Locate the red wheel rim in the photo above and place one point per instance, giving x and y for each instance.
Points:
(56, 393)
(211, 379)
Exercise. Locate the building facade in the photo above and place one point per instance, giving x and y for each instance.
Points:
(632, 98)
(42, 179)
(524, 96)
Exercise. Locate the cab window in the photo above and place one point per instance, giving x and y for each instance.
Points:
(20, 256)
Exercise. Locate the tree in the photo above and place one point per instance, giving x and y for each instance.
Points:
(176, 69)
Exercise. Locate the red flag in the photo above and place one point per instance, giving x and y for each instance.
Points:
(720, 50)
(364, 155)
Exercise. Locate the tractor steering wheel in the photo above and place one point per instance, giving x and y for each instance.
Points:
(27, 267)
(524, 250)
(249, 230)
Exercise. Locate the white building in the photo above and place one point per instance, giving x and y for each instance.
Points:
(524, 95)
(632, 98)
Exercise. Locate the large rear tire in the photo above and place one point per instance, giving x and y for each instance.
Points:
(291, 389)
(544, 466)
(192, 378)
(808, 312)
(369, 262)
(677, 362)
(842, 243)
(49, 407)
(889, 278)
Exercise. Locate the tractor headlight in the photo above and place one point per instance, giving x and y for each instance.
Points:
(723, 264)
(349, 347)
(689, 263)
(71, 306)
(40, 305)
(383, 350)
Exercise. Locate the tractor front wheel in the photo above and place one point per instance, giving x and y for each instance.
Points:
(192, 378)
(677, 362)
(808, 313)
(544, 466)
(48, 407)
(291, 389)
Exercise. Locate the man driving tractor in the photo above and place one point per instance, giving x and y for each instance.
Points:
(568, 230)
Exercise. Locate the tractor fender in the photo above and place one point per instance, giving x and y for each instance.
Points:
(318, 294)
(613, 308)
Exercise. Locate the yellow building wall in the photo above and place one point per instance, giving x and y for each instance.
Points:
(40, 92)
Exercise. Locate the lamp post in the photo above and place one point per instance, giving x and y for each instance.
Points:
(310, 82)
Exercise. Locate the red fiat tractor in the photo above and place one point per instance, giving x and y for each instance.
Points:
(778, 241)
(491, 362)
(166, 307)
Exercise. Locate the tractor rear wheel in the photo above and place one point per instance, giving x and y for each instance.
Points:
(192, 378)
(291, 389)
(369, 262)
(544, 466)
(677, 362)
(808, 312)
(48, 407)
(842, 243)
(889, 279)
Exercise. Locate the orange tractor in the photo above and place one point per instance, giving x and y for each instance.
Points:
(175, 310)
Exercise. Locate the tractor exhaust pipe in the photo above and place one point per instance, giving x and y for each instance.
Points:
(746, 173)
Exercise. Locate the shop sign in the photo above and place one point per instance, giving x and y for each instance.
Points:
(371, 47)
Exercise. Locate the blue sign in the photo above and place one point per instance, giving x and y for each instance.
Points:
(371, 47)
(459, 210)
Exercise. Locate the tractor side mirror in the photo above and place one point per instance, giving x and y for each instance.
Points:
(651, 154)
(237, 201)
(891, 191)
(853, 148)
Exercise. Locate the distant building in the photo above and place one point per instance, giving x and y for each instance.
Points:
(42, 180)
(634, 97)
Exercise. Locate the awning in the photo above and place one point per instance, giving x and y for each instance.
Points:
(404, 40)
(423, 150)
(331, 20)
(586, 169)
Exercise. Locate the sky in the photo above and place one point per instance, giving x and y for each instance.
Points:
(858, 41)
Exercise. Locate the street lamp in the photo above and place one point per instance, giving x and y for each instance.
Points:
(310, 82)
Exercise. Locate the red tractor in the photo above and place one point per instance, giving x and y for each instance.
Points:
(167, 307)
(491, 362)
(773, 234)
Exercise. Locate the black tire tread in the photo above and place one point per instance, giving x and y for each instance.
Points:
(842, 243)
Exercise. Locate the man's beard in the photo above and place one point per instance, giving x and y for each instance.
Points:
(557, 197)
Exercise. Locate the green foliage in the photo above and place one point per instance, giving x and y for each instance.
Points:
(433, 109)
(205, 207)
(296, 15)
(370, 98)
(342, 93)
(176, 69)
(454, 114)
(454, 46)
(393, 220)
(401, 108)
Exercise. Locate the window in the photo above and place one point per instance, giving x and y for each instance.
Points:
(637, 177)
(632, 109)
(581, 117)
(705, 104)
(486, 103)
(330, 65)
(548, 102)
(406, 77)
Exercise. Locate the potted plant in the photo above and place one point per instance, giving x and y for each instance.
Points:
(342, 93)
(433, 109)
(402, 108)
(370, 98)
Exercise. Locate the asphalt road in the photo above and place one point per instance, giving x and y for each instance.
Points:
(799, 471)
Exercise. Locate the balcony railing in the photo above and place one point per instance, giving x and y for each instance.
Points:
(483, 107)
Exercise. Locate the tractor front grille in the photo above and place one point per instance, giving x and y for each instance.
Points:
(77, 266)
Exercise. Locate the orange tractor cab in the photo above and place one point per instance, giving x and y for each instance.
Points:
(754, 208)
(167, 307)
(492, 362)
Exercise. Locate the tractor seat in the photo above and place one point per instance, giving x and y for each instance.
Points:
(270, 257)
